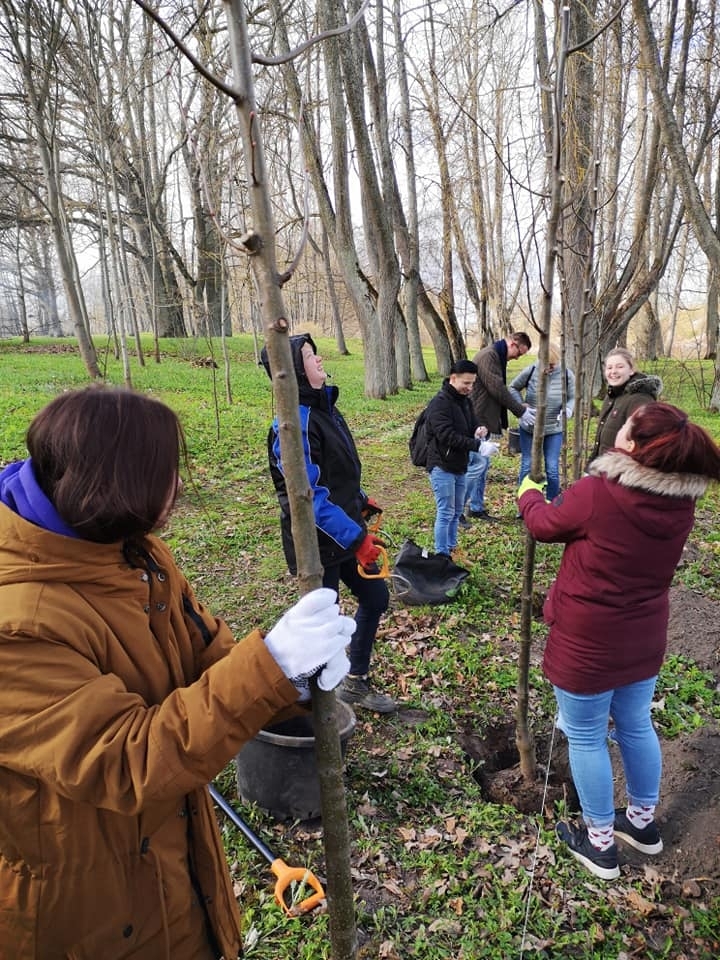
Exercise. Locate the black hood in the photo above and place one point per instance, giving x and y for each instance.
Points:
(296, 345)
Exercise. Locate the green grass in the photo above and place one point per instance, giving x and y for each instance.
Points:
(439, 872)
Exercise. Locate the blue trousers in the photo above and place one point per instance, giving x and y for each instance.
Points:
(449, 492)
(476, 477)
(584, 719)
(552, 445)
(373, 599)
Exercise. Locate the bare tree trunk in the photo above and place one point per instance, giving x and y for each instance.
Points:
(381, 364)
(712, 321)
(40, 253)
(261, 244)
(523, 733)
(337, 327)
(22, 311)
(578, 164)
(410, 255)
(672, 137)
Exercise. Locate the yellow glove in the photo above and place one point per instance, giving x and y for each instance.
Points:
(530, 484)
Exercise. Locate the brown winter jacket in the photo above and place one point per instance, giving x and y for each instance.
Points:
(490, 397)
(121, 697)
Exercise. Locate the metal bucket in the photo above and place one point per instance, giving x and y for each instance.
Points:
(514, 440)
(277, 768)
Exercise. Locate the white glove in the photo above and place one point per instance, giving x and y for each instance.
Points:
(565, 414)
(488, 448)
(527, 420)
(311, 637)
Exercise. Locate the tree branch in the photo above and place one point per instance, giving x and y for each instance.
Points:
(231, 92)
(291, 54)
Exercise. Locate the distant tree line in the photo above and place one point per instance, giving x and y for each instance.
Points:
(406, 159)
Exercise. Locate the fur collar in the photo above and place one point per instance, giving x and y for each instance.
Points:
(618, 466)
(639, 383)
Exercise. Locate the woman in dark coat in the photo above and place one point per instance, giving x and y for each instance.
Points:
(624, 526)
(627, 389)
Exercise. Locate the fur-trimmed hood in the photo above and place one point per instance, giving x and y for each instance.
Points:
(618, 466)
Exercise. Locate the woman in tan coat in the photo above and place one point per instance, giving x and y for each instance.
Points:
(122, 697)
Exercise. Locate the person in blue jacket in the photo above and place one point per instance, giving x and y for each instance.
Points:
(341, 511)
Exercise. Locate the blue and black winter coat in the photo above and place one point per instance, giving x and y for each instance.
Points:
(333, 470)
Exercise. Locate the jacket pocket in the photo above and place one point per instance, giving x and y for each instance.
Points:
(129, 925)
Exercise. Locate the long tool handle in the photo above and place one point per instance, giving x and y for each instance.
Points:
(286, 876)
(243, 827)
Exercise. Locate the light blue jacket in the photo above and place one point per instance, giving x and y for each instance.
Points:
(528, 380)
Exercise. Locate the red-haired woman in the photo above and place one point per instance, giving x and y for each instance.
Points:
(122, 696)
(624, 526)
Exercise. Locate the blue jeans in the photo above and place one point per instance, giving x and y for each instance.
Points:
(373, 599)
(449, 492)
(552, 445)
(584, 719)
(476, 476)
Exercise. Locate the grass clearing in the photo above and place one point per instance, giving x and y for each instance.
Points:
(439, 872)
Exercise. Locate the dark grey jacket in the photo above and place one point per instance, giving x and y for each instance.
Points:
(490, 397)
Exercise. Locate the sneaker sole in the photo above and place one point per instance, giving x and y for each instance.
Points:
(604, 873)
(649, 848)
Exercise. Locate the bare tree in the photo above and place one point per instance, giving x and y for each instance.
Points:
(259, 243)
(33, 45)
(707, 235)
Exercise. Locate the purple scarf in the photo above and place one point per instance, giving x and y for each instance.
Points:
(20, 492)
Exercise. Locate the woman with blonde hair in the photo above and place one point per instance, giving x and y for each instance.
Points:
(627, 389)
(560, 398)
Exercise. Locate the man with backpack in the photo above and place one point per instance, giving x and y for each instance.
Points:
(452, 434)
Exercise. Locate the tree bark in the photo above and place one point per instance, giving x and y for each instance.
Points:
(328, 753)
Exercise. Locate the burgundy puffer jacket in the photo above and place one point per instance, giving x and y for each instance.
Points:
(624, 527)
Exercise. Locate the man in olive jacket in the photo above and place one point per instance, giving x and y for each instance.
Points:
(491, 399)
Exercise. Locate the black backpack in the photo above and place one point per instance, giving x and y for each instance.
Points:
(418, 442)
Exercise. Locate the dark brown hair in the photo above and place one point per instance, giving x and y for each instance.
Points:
(666, 440)
(521, 339)
(107, 458)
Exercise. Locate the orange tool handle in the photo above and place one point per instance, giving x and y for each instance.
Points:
(383, 565)
(373, 523)
(285, 877)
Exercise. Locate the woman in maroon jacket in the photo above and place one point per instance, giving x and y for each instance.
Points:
(624, 526)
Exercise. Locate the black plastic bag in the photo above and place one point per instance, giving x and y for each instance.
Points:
(422, 577)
